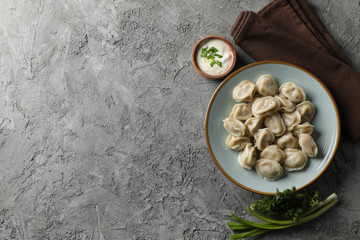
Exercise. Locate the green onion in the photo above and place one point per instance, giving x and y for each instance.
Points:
(269, 224)
(211, 54)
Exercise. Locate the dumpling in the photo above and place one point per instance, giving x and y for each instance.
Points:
(273, 152)
(263, 138)
(294, 159)
(244, 91)
(303, 128)
(287, 141)
(256, 96)
(268, 169)
(285, 104)
(234, 127)
(275, 123)
(267, 85)
(247, 157)
(237, 143)
(308, 145)
(306, 110)
(293, 92)
(265, 106)
(291, 119)
(252, 125)
(241, 111)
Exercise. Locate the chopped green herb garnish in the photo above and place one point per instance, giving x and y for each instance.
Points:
(204, 52)
(213, 49)
(211, 53)
(211, 56)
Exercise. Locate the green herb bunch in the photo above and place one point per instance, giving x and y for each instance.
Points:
(283, 210)
(288, 205)
(210, 54)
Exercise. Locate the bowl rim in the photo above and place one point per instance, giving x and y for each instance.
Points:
(249, 66)
(194, 51)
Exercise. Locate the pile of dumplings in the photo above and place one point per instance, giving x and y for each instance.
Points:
(270, 126)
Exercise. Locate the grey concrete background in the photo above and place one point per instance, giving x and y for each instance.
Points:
(102, 115)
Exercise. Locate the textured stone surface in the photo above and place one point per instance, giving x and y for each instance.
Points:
(101, 122)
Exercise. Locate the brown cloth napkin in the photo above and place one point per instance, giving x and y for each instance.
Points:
(287, 30)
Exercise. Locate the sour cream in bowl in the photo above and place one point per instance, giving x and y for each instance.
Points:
(213, 57)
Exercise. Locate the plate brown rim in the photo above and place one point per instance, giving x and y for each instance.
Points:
(242, 69)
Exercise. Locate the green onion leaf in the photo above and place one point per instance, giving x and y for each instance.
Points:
(211, 53)
(204, 52)
(213, 49)
(211, 56)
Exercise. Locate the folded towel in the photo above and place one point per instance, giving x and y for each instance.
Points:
(297, 18)
(287, 30)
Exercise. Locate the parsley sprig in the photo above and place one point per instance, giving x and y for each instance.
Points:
(288, 205)
(285, 209)
(211, 53)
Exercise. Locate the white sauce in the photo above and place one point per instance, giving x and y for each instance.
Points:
(224, 50)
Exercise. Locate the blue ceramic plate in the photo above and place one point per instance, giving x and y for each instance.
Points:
(326, 131)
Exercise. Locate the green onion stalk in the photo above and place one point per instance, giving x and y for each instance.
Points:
(251, 229)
